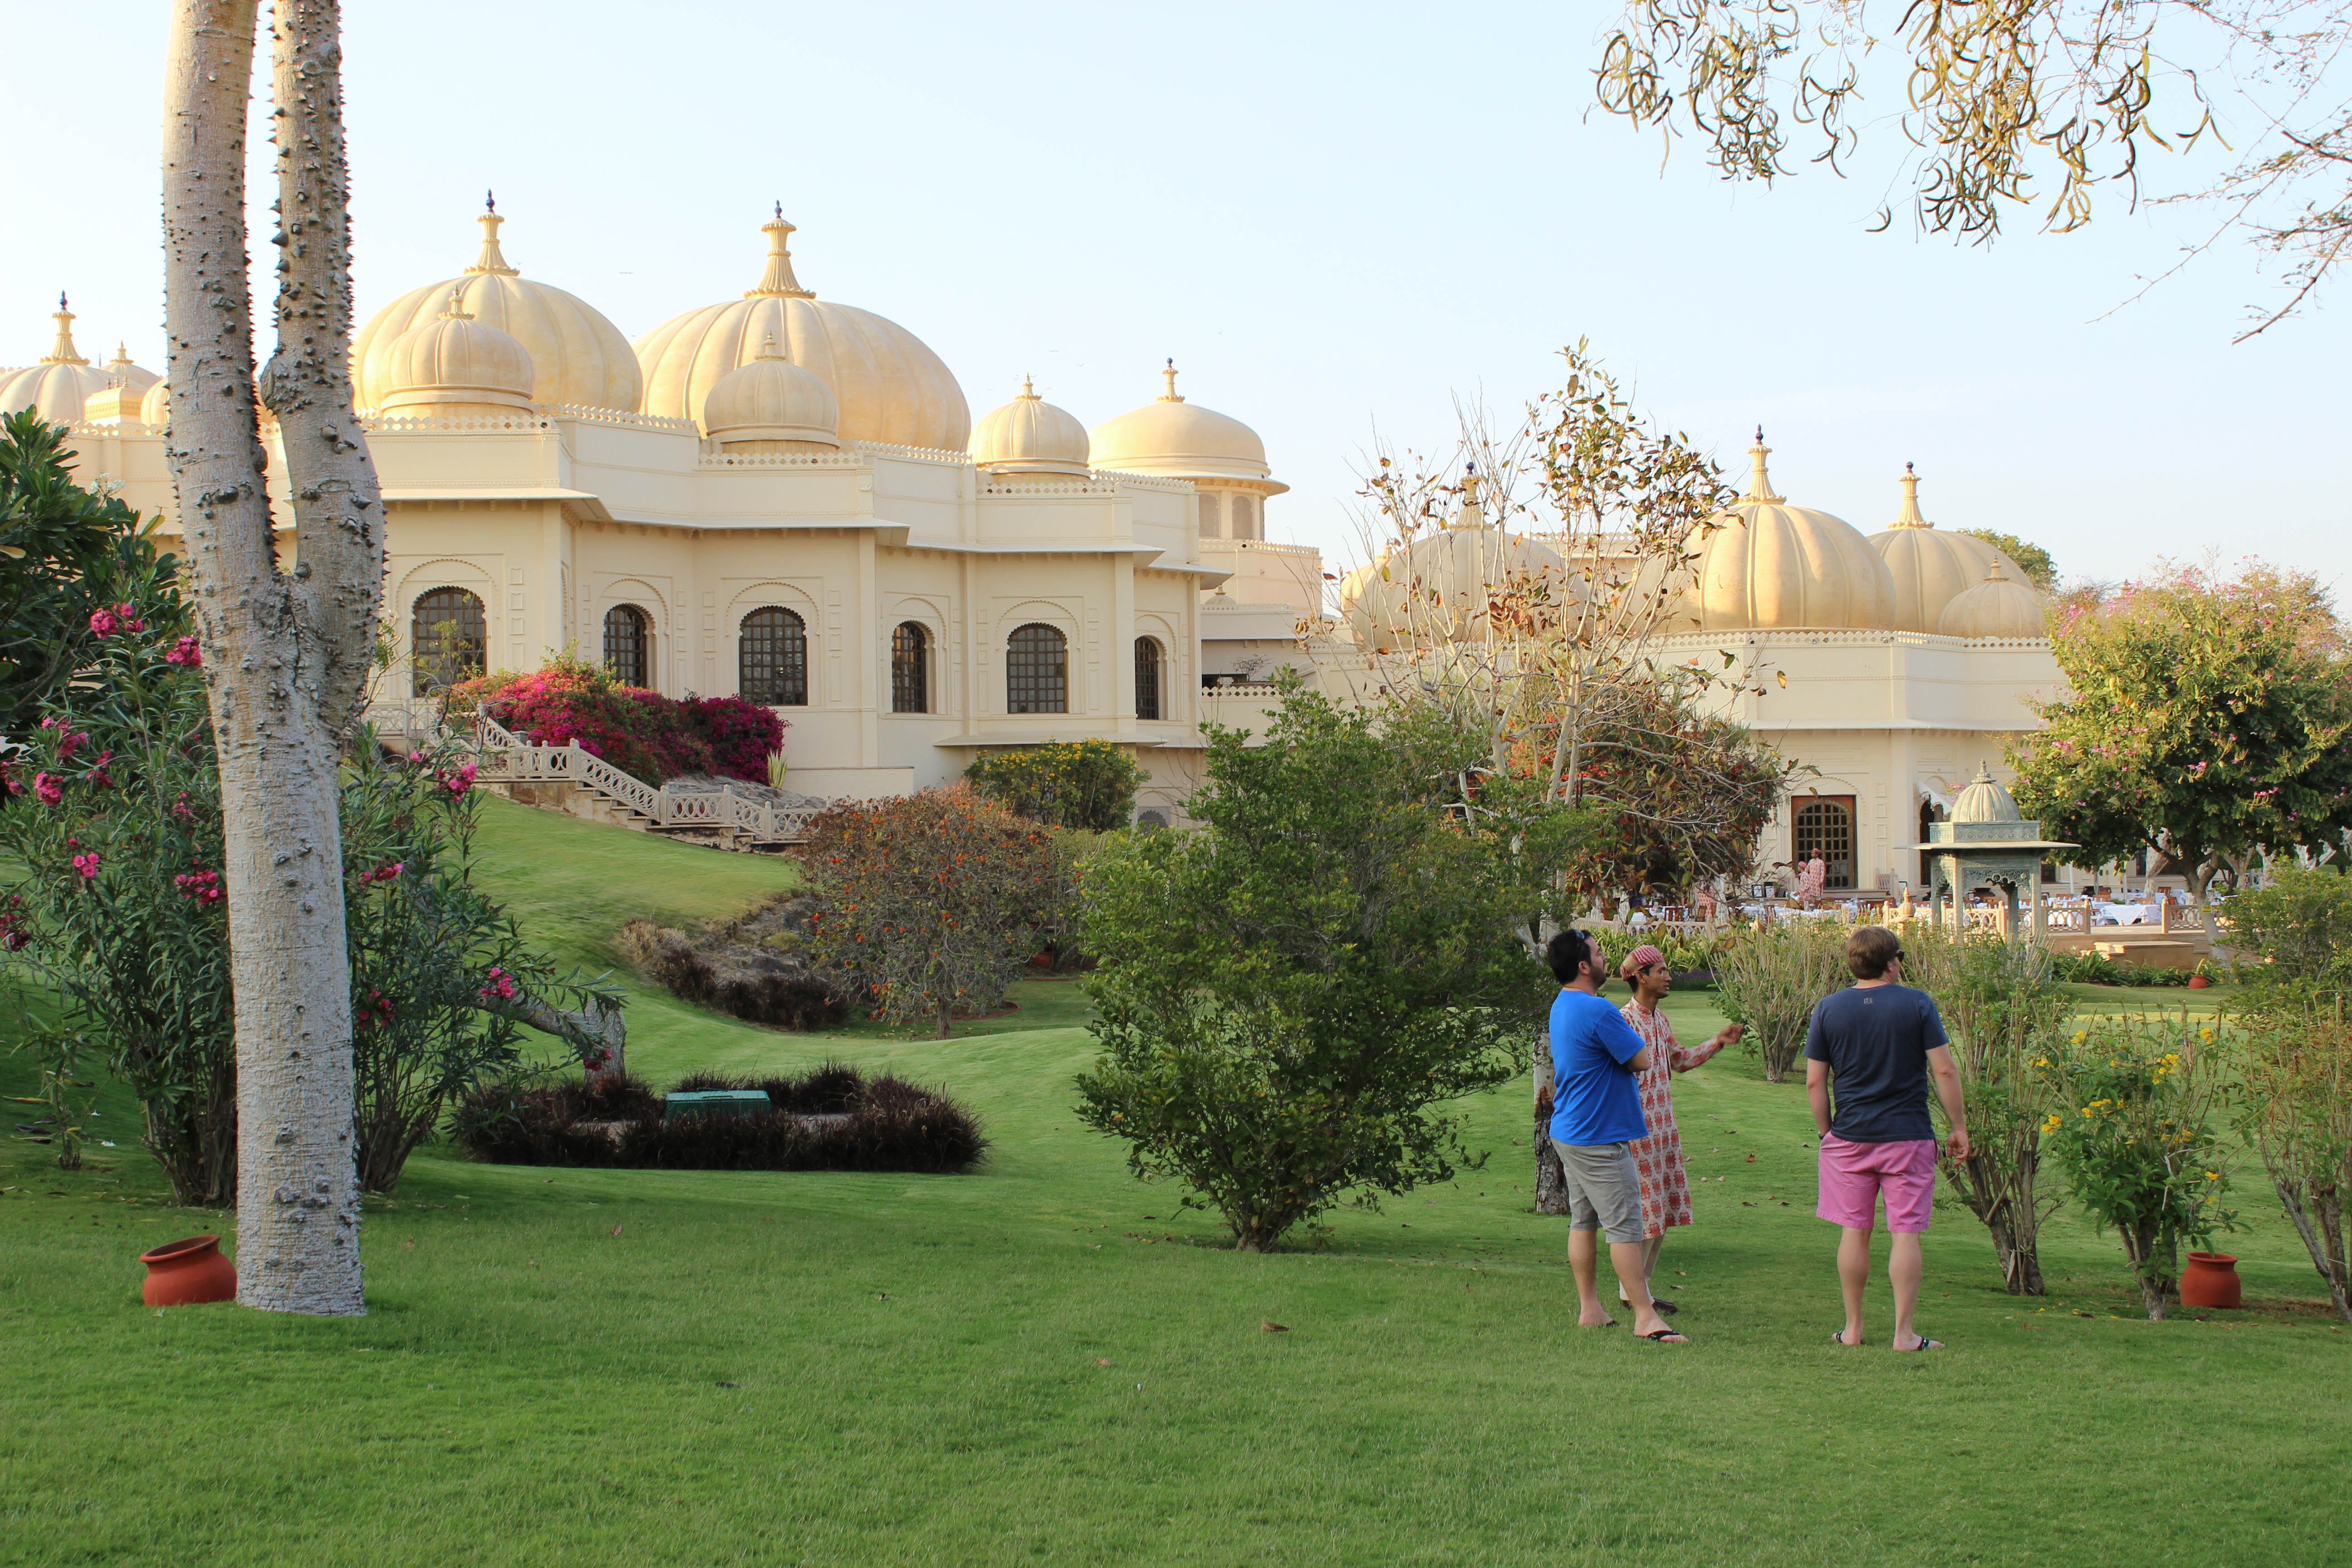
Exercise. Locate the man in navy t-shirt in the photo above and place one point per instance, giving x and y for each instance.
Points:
(1877, 1044)
(1596, 1117)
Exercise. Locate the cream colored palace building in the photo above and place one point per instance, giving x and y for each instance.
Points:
(787, 498)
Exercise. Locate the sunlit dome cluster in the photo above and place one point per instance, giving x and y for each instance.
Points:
(60, 387)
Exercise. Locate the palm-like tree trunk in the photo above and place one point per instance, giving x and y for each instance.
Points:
(286, 652)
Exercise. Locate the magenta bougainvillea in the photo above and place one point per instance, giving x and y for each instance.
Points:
(641, 732)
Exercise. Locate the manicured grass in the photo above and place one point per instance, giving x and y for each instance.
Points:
(1048, 1363)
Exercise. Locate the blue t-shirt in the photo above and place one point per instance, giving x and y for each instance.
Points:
(1595, 1097)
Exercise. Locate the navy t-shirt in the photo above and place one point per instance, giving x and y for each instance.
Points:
(1595, 1097)
(1877, 1039)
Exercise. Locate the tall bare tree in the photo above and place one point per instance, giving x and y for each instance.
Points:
(287, 649)
(2020, 103)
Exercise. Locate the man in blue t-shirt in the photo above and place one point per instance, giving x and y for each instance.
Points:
(1595, 1119)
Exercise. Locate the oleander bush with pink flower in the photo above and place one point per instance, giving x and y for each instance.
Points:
(642, 732)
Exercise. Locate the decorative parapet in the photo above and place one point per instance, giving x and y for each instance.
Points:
(1684, 642)
(1147, 483)
(540, 418)
(775, 460)
(1049, 488)
(1263, 547)
(912, 454)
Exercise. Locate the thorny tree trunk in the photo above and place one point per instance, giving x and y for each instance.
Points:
(287, 653)
(1551, 1182)
(601, 1037)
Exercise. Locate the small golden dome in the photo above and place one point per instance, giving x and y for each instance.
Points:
(1985, 801)
(155, 408)
(1763, 563)
(890, 386)
(1030, 435)
(454, 365)
(1441, 587)
(1931, 566)
(577, 356)
(61, 384)
(1996, 607)
(771, 399)
(1181, 440)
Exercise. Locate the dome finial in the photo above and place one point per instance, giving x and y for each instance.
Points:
(768, 349)
(778, 282)
(63, 352)
(1170, 376)
(1759, 483)
(1028, 389)
(492, 259)
(456, 310)
(1911, 517)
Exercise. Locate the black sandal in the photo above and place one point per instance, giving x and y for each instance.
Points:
(1662, 1336)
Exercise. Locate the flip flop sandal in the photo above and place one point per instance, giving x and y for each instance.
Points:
(1838, 1338)
(1661, 1336)
(1925, 1345)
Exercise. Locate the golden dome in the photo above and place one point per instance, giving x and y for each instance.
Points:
(1030, 435)
(56, 388)
(577, 356)
(1184, 441)
(891, 387)
(155, 408)
(771, 400)
(453, 364)
(1985, 801)
(1438, 587)
(1931, 567)
(1999, 606)
(1768, 564)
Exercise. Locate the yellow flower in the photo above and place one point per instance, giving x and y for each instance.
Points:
(2212, 1175)
(2041, 1061)
(2205, 1033)
(2082, 1035)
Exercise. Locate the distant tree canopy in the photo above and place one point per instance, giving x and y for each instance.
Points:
(2031, 559)
(1088, 783)
(2204, 717)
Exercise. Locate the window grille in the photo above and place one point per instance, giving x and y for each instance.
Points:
(1244, 517)
(449, 639)
(1212, 515)
(1146, 679)
(771, 657)
(629, 645)
(911, 668)
(1826, 828)
(1036, 671)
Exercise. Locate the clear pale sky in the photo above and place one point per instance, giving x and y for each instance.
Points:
(1334, 217)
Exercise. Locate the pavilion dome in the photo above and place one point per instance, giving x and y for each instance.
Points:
(1765, 564)
(58, 388)
(1999, 606)
(1182, 440)
(454, 365)
(1030, 435)
(1438, 587)
(890, 386)
(771, 399)
(1931, 566)
(1985, 800)
(155, 407)
(577, 357)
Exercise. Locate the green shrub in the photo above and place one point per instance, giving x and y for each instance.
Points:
(2296, 931)
(2098, 969)
(1770, 977)
(1063, 783)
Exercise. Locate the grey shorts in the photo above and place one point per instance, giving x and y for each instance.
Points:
(1604, 1189)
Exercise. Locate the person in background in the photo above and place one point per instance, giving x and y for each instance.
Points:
(1596, 1118)
(1878, 1043)
(1658, 1156)
(1812, 878)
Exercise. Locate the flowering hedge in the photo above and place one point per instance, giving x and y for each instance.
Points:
(642, 732)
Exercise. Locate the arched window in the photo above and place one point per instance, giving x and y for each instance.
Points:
(1146, 679)
(911, 668)
(1246, 517)
(449, 639)
(771, 657)
(1036, 671)
(1825, 826)
(629, 645)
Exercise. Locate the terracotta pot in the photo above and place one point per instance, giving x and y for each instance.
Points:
(2197, 983)
(2210, 1281)
(182, 1273)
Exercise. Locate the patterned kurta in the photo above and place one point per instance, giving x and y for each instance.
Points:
(1665, 1189)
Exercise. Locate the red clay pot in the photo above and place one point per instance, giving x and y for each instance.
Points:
(2211, 1280)
(2199, 982)
(182, 1273)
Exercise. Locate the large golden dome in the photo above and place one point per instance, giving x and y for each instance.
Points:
(890, 386)
(1181, 440)
(1030, 435)
(1765, 564)
(1931, 566)
(577, 356)
(58, 386)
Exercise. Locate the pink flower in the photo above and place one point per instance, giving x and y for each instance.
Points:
(129, 615)
(86, 864)
(50, 787)
(201, 885)
(103, 623)
(180, 809)
(458, 783)
(185, 652)
(501, 986)
(71, 745)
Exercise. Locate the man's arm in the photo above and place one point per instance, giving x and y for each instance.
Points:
(1630, 1050)
(1955, 1105)
(1817, 1093)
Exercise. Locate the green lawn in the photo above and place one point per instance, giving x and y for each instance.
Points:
(1046, 1361)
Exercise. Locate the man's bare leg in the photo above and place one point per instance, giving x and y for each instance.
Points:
(1584, 1262)
(1904, 1266)
(1853, 1276)
(1626, 1258)
(1649, 1265)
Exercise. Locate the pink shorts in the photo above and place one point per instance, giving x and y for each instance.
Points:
(1853, 1174)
